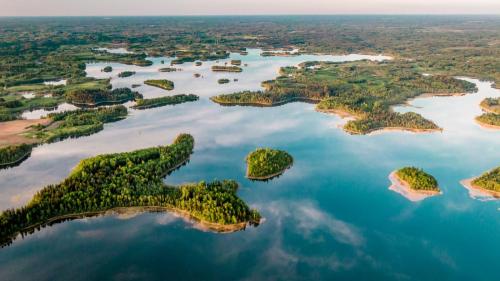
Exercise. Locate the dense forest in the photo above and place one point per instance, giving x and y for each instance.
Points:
(265, 163)
(222, 68)
(14, 154)
(364, 89)
(162, 101)
(132, 179)
(417, 179)
(489, 180)
(161, 83)
(490, 119)
(94, 97)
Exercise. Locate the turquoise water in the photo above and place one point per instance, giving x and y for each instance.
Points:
(331, 216)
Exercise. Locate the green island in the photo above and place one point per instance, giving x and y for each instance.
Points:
(161, 83)
(223, 81)
(266, 163)
(11, 156)
(489, 182)
(490, 119)
(125, 74)
(183, 56)
(222, 68)
(107, 69)
(131, 180)
(162, 101)
(168, 69)
(417, 180)
(365, 90)
(95, 97)
(236, 62)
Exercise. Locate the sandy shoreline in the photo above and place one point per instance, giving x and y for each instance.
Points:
(479, 193)
(486, 125)
(11, 131)
(403, 188)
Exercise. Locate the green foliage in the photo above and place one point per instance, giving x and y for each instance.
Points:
(491, 105)
(162, 101)
(220, 68)
(161, 83)
(489, 180)
(265, 163)
(418, 179)
(78, 123)
(126, 74)
(107, 69)
(14, 154)
(131, 179)
(223, 81)
(93, 97)
(489, 119)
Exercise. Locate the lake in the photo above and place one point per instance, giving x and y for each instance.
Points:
(331, 216)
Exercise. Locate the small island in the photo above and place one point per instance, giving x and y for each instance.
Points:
(266, 163)
(414, 183)
(486, 185)
(221, 68)
(236, 62)
(107, 69)
(223, 81)
(112, 182)
(96, 97)
(125, 74)
(162, 101)
(161, 83)
(168, 69)
(491, 118)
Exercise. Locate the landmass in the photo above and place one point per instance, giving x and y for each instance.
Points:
(221, 68)
(363, 90)
(161, 83)
(266, 163)
(11, 156)
(490, 119)
(96, 97)
(414, 184)
(223, 81)
(131, 180)
(168, 69)
(107, 69)
(125, 74)
(162, 101)
(236, 62)
(486, 185)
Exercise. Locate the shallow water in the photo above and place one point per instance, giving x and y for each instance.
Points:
(331, 216)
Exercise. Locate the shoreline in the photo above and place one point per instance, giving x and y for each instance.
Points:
(486, 125)
(478, 192)
(403, 188)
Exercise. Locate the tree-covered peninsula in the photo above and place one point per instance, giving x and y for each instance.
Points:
(266, 163)
(162, 101)
(489, 182)
(365, 90)
(417, 179)
(161, 83)
(13, 155)
(133, 179)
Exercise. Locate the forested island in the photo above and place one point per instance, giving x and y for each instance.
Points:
(125, 74)
(132, 179)
(162, 101)
(223, 81)
(365, 90)
(107, 69)
(488, 183)
(168, 69)
(266, 163)
(183, 56)
(490, 119)
(221, 68)
(236, 62)
(161, 83)
(95, 97)
(417, 179)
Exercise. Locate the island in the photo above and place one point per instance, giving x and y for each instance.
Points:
(414, 184)
(223, 81)
(162, 101)
(132, 180)
(486, 185)
(107, 69)
(168, 69)
(13, 155)
(221, 68)
(491, 117)
(267, 163)
(365, 91)
(96, 97)
(161, 83)
(236, 62)
(125, 74)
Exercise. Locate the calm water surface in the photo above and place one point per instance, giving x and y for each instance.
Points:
(329, 217)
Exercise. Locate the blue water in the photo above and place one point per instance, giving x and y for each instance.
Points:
(331, 216)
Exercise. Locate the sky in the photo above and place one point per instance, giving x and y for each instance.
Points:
(242, 7)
